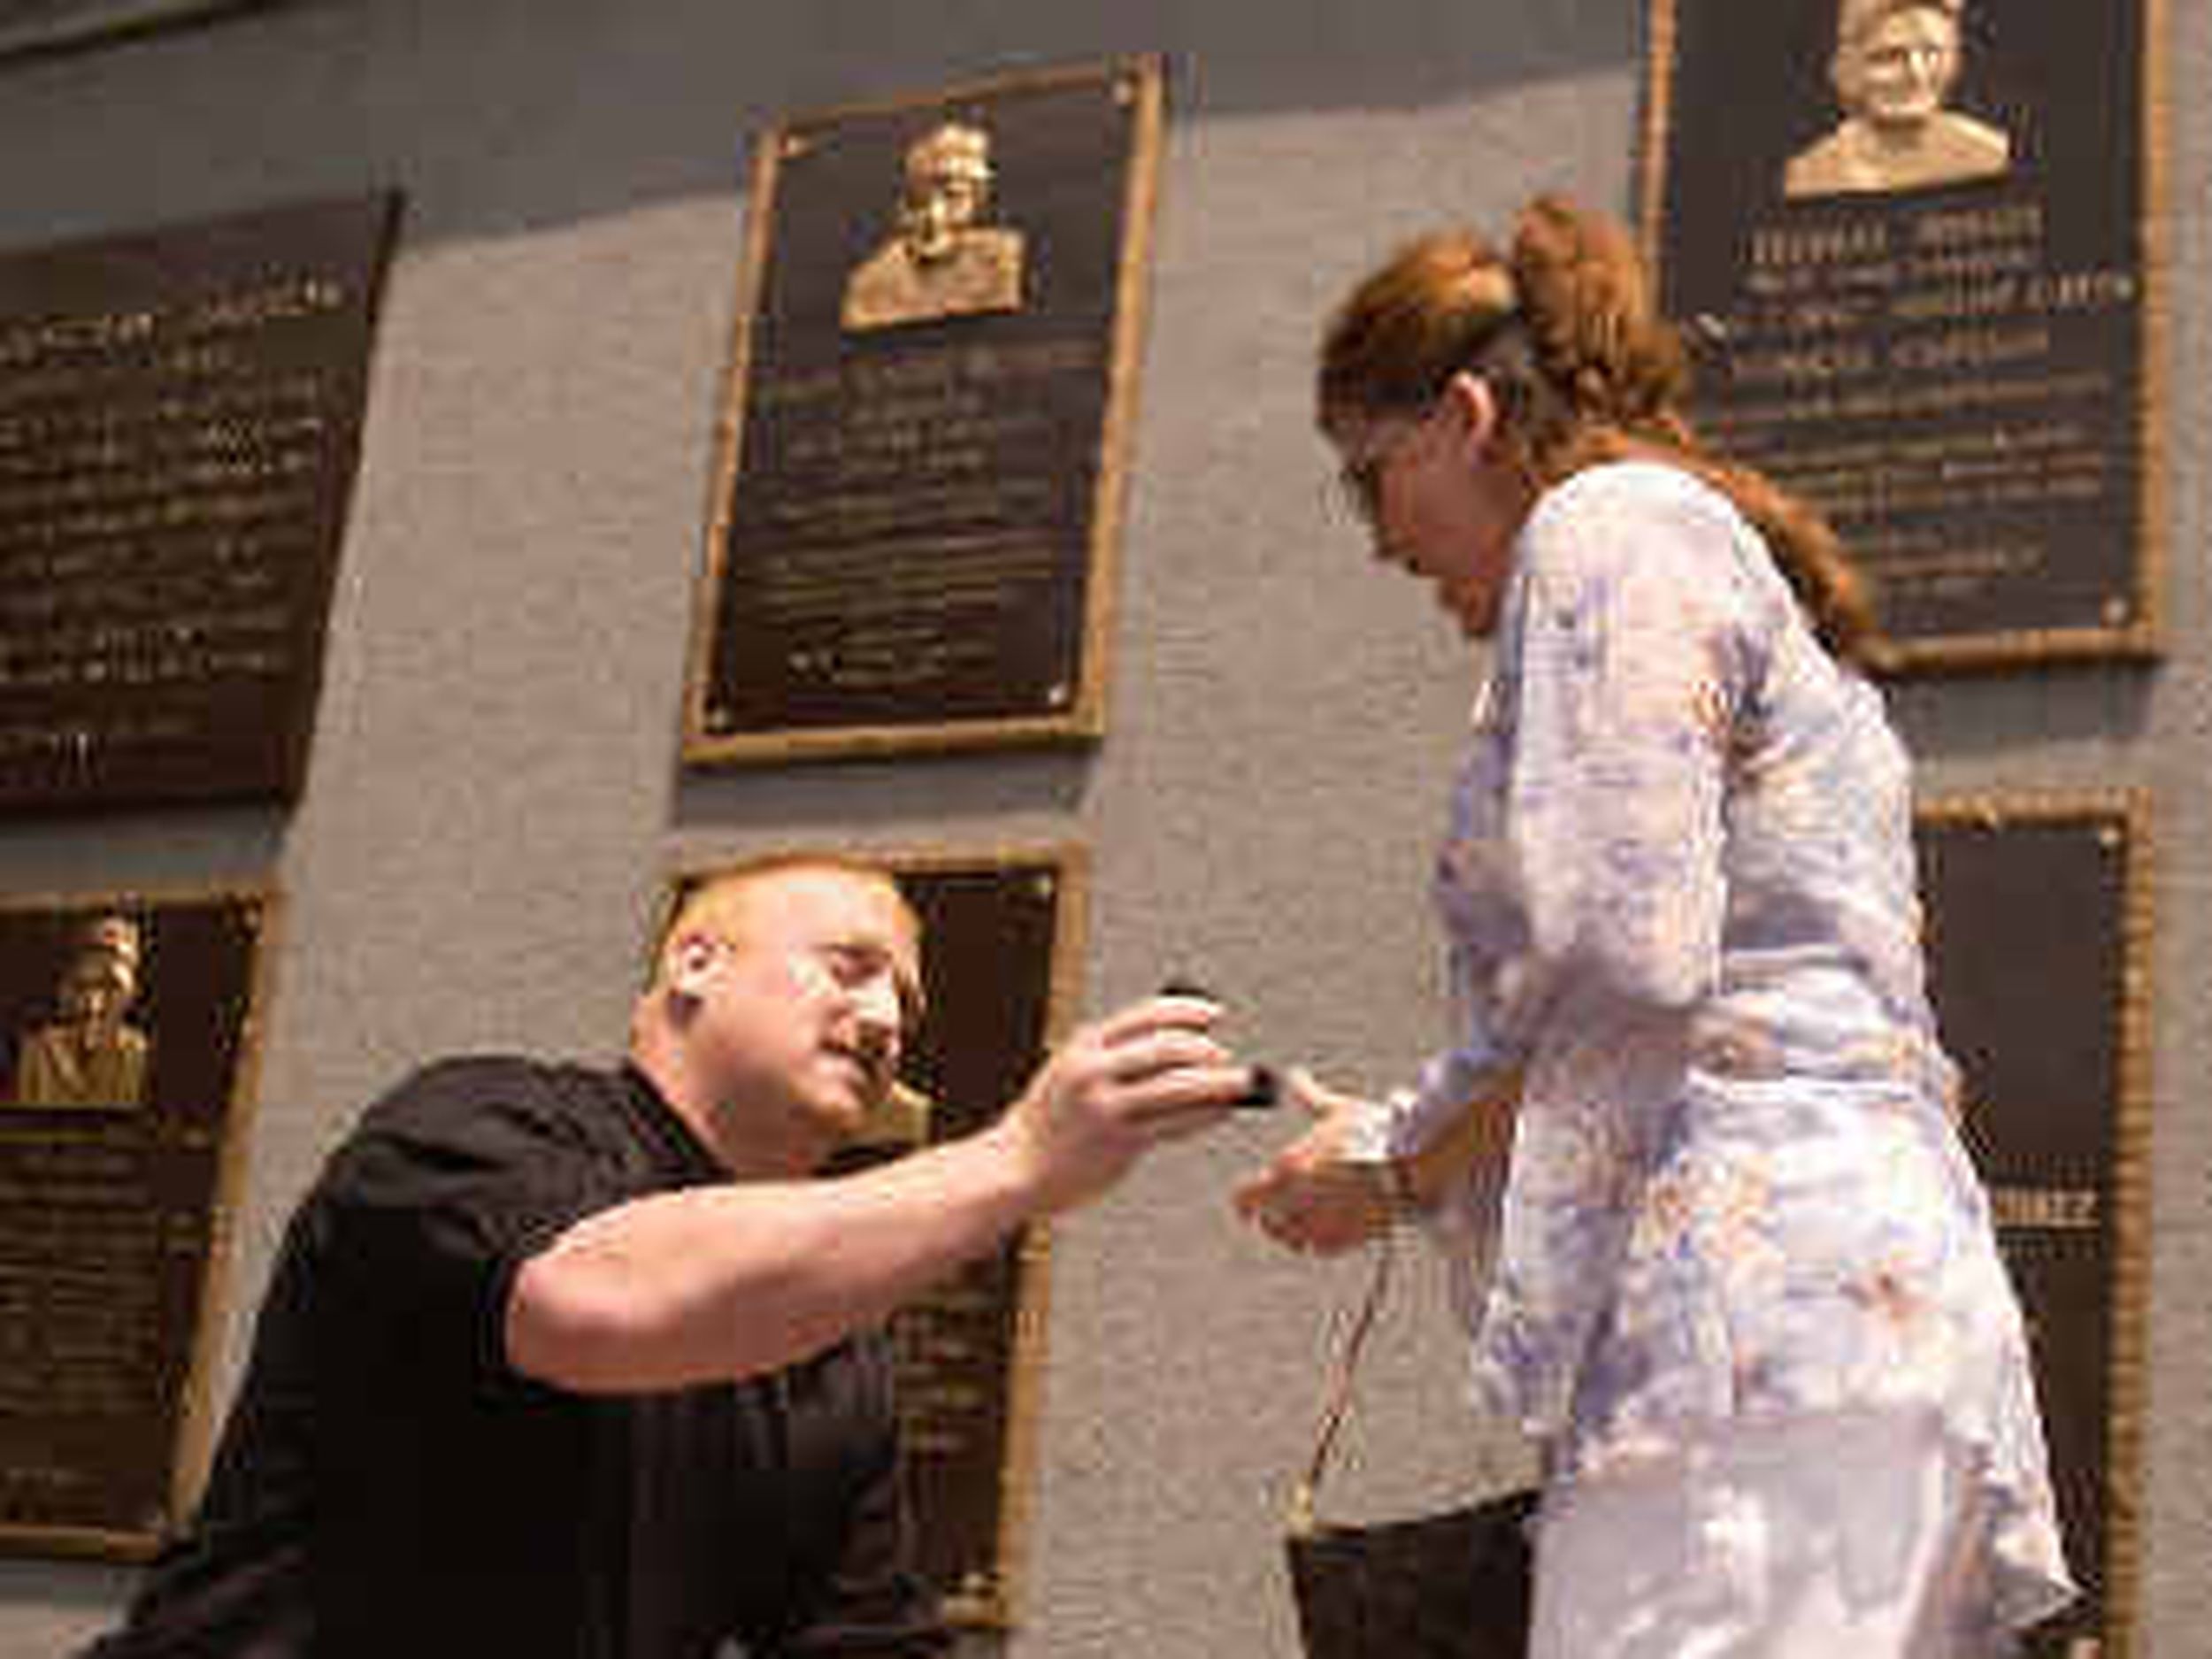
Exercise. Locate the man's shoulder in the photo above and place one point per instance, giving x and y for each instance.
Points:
(521, 1071)
(496, 1135)
(482, 1100)
(493, 1078)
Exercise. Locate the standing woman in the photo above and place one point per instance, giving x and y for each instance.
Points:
(1745, 1294)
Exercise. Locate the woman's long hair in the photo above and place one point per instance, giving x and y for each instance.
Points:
(1584, 369)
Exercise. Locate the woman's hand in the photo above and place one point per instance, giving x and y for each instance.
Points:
(1310, 1196)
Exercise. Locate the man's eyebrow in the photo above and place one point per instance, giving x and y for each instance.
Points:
(913, 998)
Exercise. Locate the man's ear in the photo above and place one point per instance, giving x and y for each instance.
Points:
(692, 963)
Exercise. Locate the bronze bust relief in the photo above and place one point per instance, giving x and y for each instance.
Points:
(1895, 63)
(944, 260)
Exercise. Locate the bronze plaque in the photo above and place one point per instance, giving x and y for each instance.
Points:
(1913, 249)
(918, 495)
(1001, 941)
(2038, 934)
(129, 1024)
(179, 417)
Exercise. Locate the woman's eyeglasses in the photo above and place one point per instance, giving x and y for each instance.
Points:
(1360, 475)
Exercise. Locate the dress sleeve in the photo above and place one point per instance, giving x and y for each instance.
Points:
(1585, 892)
(1626, 700)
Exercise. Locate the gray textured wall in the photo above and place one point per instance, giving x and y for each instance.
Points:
(494, 795)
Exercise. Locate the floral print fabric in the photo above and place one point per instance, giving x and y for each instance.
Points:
(1680, 897)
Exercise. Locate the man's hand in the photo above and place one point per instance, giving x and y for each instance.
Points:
(1119, 1087)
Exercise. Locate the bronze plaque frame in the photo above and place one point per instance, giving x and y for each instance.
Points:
(180, 414)
(59, 26)
(116, 1219)
(2046, 1006)
(1003, 945)
(916, 507)
(1965, 372)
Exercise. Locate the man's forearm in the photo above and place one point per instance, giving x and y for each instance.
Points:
(718, 1282)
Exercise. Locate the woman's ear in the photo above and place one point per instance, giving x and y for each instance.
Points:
(1471, 399)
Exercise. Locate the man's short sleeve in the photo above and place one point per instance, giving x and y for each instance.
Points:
(451, 1182)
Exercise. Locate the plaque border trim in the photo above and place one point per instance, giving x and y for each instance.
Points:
(1069, 862)
(193, 1448)
(2126, 814)
(111, 22)
(1141, 81)
(2140, 638)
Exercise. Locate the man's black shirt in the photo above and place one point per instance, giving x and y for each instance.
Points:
(389, 1488)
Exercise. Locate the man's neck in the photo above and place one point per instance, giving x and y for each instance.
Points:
(752, 1146)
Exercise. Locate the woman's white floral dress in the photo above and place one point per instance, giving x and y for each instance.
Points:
(1679, 894)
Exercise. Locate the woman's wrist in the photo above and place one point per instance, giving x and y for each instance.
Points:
(1401, 1194)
